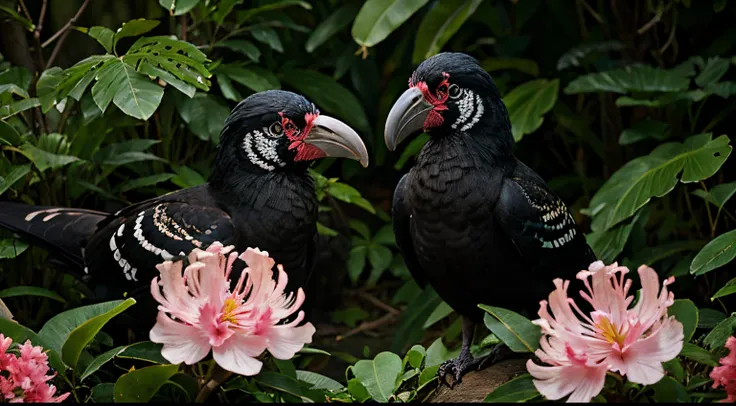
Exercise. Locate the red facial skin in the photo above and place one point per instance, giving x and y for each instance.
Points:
(304, 151)
(434, 118)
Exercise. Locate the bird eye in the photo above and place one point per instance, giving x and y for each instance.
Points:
(455, 91)
(276, 130)
(442, 90)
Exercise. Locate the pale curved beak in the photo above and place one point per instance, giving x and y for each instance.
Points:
(337, 140)
(406, 117)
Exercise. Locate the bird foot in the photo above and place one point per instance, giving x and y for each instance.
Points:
(458, 367)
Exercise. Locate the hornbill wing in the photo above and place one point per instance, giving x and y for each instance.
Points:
(541, 226)
(401, 214)
(123, 255)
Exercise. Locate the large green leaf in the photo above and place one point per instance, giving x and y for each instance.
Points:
(515, 330)
(82, 335)
(318, 381)
(655, 175)
(11, 248)
(144, 351)
(528, 103)
(413, 318)
(686, 313)
(717, 253)
(287, 384)
(99, 361)
(669, 390)
(576, 56)
(13, 89)
(608, 244)
(103, 35)
(46, 87)
(720, 333)
(133, 93)
(728, 289)
(331, 25)
(268, 36)
(20, 334)
(248, 14)
(140, 385)
(439, 25)
(380, 375)
(16, 173)
(146, 181)
(244, 47)
(180, 60)
(527, 66)
(43, 159)
(76, 79)
(178, 7)
(205, 114)
(719, 195)
(11, 109)
(27, 290)
(517, 390)
(330, 96)
(379, 18)
(699, 354)
(255, 78)
(642, 130)
(712, 71)
(638, 78)
(133, 28)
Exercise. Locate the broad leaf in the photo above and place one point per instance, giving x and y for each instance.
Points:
(528, 103)
(133, 93)
(720, 333)
(698, 354)
(255, 78)
(13, 89)
(642, 130)
(380, 375)
(379, 18)
(146, 181)
(244, 47)
(145, 351)
(178, 7)
(205, 114)
(331, 25)
(226, 87)
(20, 334)
(655, 175)
(717, 253)
(608, 244)
(16, 174)
(415, 356)
(248, 14)
(76, 79)
(44, 159)
(719, 195)
(46, 87)
(442, 21)
(686, 313)
(25, 290)
(133, 28)
(180, 60)
(11, 248)
(103, 393)
(11, 109)
(709, 318)
(440, 312)
(638, 78)
(286, 384)
(437, 353)
(728, 289)
(140, 385)
(668, 390)
(329, 95)
(515, 330)
(186, 177)
(527, 66)
(517, 390)
(413, 318)
(712, 71)
(103, 35)
(268, 36)
(318, 381)
(82, 335)
(356, 263)
(99, 361)
(576, 56)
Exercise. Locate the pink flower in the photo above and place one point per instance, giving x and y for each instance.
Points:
(238, 325)
(23, 378)
(725, 374)
(632, 341)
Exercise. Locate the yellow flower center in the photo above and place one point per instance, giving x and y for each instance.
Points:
(610, 332)
(227, 311)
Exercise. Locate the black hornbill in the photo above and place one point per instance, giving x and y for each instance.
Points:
(470, 219)
(259, 194)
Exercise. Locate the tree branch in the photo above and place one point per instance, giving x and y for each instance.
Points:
(63, 32)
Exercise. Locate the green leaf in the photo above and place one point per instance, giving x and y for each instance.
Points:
(655, 175)
(16, 174)
(698, 354)
(284, 384)
(416, 356)
(440, 312)
(686, 313)
(99, 361)
(205, 115)
(528, 103)
(244, 47)
(638, 78)
(26, 290)
(248, 14)
(176, 62)
(134, 94)
(9, 249)
(349, 316)
(186, 177)
(144, 351)
(268, 36)
(9, 135)
(331, 96)
(660, 252)
(712, 72)
(709, 318)
(608, 244)
(44, 159)
(527, 66)
(440, 23)
(331, 25)
(519, 389)
(103, 393)
(642, 130)
(146, 181)
(412, 149)
(728, 289)
(141, 384)
(379, 376)
(318, 381)
(380, 257)
(133, 28)
(16, 75)
(515, 330)
(17, 17)
(11, 109)
(348, 194)
(103, 35)
(46, 87)
(224, 7)
(412, 319)
(13, 89)
(178, 7)
(385, 235)
(674, 368)
(379, 18)
(356, 263)
(56, 331)
(668, 390)
(226, 86)
(437, 353)
(717, 253)
(576, 56)
(719, 195)
(76, 79)
(358, 391)
(720, 333)
(20, 334)
(722, 89)
(82, 335)
(255, 78)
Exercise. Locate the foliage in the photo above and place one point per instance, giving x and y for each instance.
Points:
(622, 107)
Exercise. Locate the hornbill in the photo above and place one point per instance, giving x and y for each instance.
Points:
(259, 194)
(470, 219)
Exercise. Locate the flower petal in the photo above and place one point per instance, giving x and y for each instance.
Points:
(285, 341)
(582, 383)
(182, 343)
(643, 359)
(238, 354)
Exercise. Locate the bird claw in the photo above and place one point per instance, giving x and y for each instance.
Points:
(458, 367)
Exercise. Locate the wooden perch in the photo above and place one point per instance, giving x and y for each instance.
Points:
(476, 385)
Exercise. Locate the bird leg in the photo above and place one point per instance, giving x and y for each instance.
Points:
(464, 362)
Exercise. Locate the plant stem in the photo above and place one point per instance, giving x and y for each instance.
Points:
(710, 216)
(63, 32)
(218, 378)
(692, 213)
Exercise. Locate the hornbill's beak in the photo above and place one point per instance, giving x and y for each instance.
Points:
(406, 117)
(336, 139)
